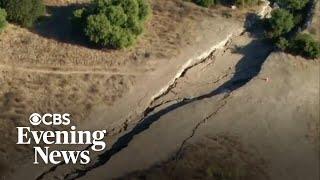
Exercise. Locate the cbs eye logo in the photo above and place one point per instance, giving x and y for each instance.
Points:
(49, 119)
(35, 119)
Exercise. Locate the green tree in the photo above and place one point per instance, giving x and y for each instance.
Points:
(98, 29)
(144, 10)
(304, 44)
(113, 23)
(23, 12)
(282, 43)
(280, 23)
(292, 4)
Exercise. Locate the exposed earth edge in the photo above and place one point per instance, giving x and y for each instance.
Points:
(188, 65)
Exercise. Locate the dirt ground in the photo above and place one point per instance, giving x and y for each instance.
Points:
(215, 158)
(275, 121)
(261, 104)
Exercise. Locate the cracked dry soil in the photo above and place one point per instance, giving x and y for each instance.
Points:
(229, 69)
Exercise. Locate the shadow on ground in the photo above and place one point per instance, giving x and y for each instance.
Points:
(254, 55)
(57, 25)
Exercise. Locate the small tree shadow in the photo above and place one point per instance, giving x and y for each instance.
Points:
(254, 53)
(255, 25)
(57, 25)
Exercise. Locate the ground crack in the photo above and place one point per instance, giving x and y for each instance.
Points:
(193, 132)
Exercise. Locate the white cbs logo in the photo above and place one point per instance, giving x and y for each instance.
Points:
(49, 119)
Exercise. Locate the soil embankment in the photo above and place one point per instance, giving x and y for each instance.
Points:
(230, 95)
(227, 68)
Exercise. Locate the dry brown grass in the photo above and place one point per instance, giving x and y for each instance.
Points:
(22, 93)
(169, 28)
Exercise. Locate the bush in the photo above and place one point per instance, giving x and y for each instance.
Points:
(282, 43)
(114, 24)
(280, 23)
(304, 44)
(23, 12)
(3, 21)
(292, 4)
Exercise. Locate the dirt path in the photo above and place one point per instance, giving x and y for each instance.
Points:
(66, 71)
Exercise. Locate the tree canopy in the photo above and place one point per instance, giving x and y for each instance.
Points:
(23, 12)
(114, 24)
(280, 23)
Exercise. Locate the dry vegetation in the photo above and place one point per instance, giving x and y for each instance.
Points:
(167, 31)
(24, 93)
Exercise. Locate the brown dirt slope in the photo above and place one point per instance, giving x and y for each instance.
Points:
(274, 121)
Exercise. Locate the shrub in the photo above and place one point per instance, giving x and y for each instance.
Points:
(280, 23)
(297, 19)
(204, 3)
(23, 12)
(304, 44)
(282, 43)
(115, 24)
(292, 4)
(3, 21)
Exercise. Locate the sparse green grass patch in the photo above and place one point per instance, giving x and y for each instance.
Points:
(3, 21)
